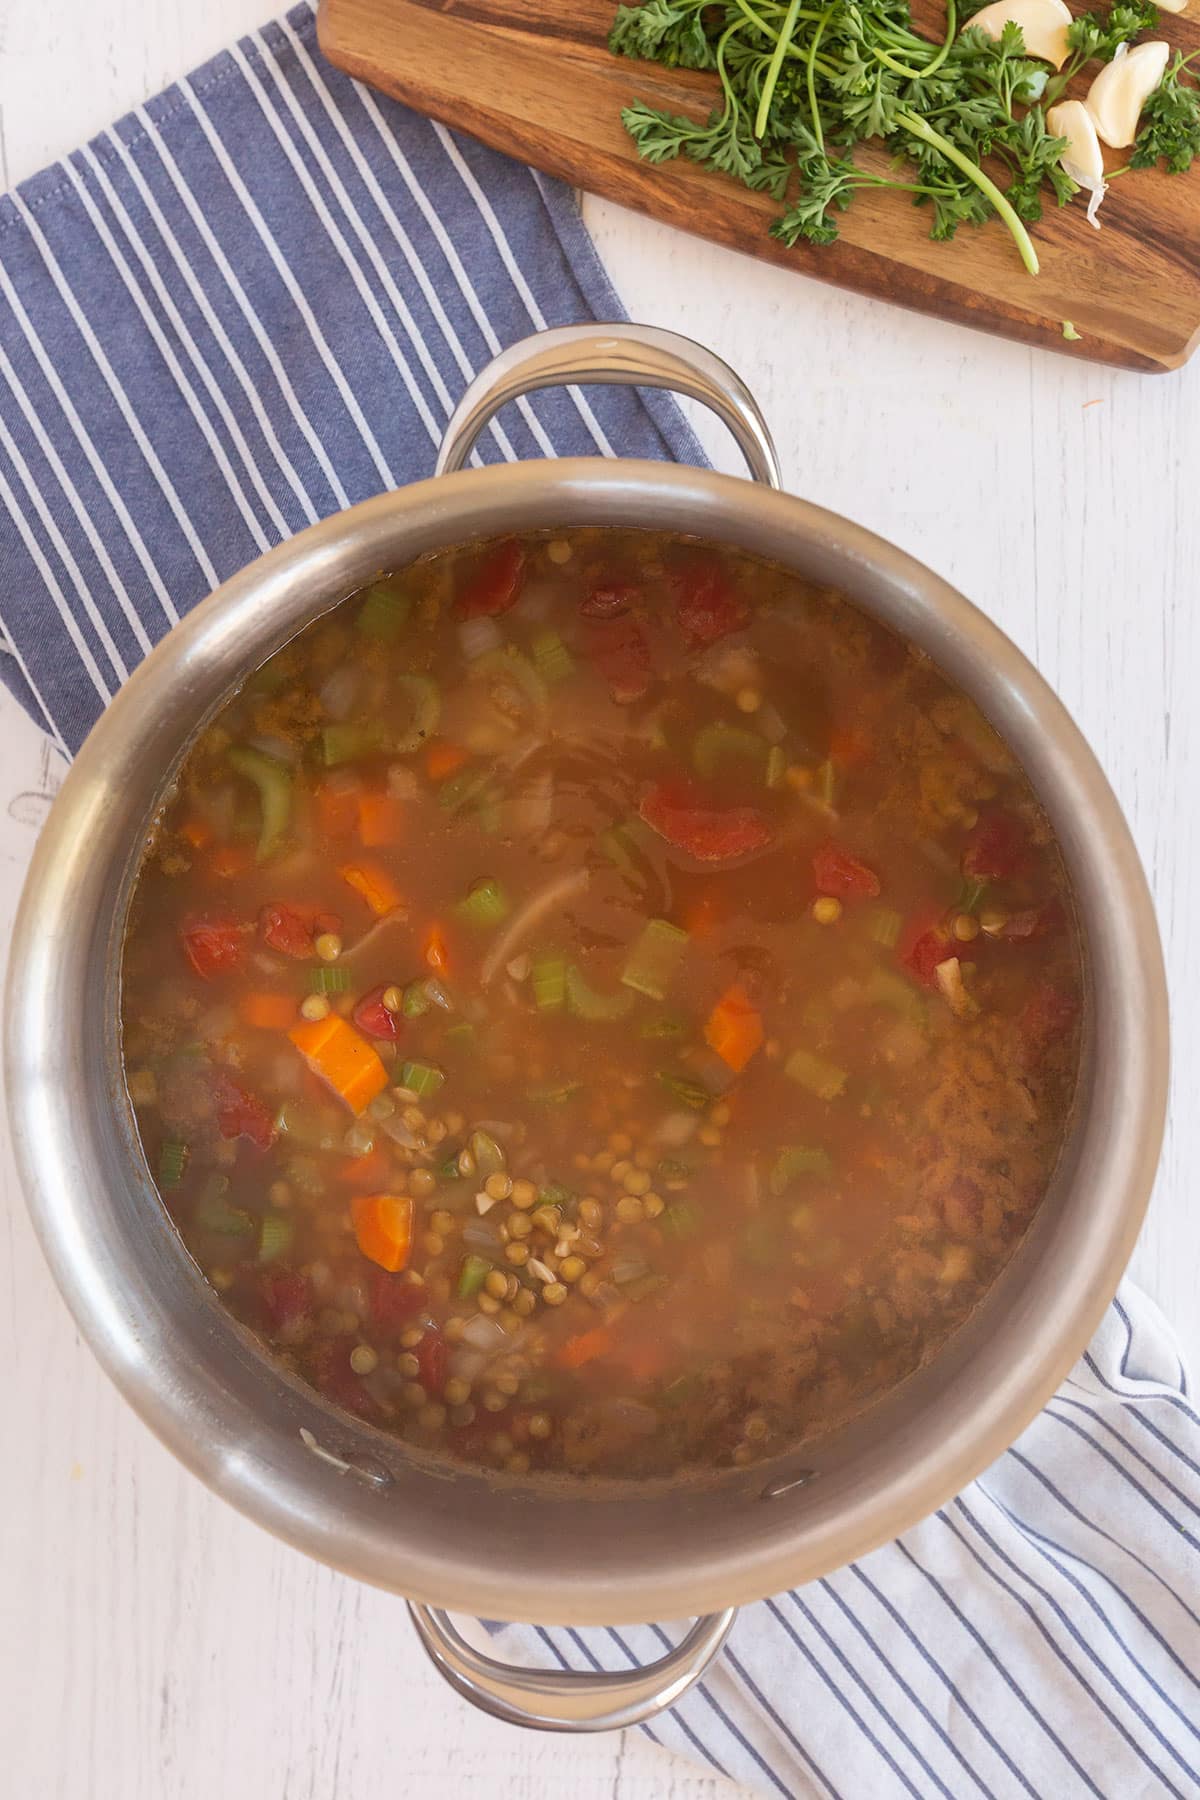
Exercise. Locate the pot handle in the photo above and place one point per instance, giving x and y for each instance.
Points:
(568, 1699)
(616, 356)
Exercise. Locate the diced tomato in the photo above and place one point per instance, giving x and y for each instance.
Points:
(608, 602)
(620, 652)
(393, 1300)
(924, 955)
(372, 1017)
(431, 1357)
(336, 1379)
(213, 946)
(839, 873)
(240, 1114)
(284, 930)
(495, 583)
(923, 944)
(996, 849)
(286, 1297)
(706, 605)
(708, 833)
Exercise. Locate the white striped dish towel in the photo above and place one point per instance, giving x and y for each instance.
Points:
(255, 301)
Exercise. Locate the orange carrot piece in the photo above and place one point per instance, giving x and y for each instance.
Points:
(442, 760)
(268, 1012)
(229, 860)
(375, 886)
(337, 807)
(335, 1051)
(585, 1348)
(380, 820)
(734, 1028)
(435, 951)
(383, 1226)
(196, 832)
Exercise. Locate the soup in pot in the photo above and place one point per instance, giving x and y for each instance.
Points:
(601, 1004)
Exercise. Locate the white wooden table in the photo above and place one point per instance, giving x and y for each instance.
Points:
(154, 1645)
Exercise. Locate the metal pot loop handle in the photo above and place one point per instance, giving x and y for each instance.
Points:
(620, 356)
(568, 1699)
(616, 356)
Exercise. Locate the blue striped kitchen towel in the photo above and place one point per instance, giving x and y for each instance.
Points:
(255, 301)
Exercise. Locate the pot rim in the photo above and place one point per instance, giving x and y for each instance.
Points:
(61, 1016)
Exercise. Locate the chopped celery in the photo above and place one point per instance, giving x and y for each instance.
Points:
(172, 1161)
(557, 1094)
(885, 989)
(661, 1027)
(617, 846)
(274, 1238)
(485, 904)
(384, 610)
(489, 1157)
(472, 1275)
(311, 1129)
(549, 982)
(719, 743)
(794, 1161)
(460, 789)
(885, 926)
(692, 1093)
(449, 1170)
(348, 743)
(416, 1000)
(327, 979)
(821, 1078)
(586, 1003)
(273, 780)
(555, 1194)
(972, 893)
(654, 958)
(461, 1036)
(214, 1213)
(424, 710)
(776, 766)
(551, 658)
(681, 1219)
(421, 1078)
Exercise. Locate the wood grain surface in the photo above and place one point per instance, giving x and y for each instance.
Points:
(535, 78)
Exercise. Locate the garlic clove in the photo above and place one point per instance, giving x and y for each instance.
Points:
(1083, 158)
(1121, 89)
(1043, 25)
(1172, 6)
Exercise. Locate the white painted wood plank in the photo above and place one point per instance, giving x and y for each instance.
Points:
(161, 1645)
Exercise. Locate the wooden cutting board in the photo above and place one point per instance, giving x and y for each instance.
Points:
(534, 78)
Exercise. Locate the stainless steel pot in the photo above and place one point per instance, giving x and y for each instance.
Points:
(344, 1492)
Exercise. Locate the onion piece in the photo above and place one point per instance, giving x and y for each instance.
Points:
(337, 692)
(556, 893)
(477, 636)
(483, 1333)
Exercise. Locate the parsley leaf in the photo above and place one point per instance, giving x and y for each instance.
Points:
(1170, 124)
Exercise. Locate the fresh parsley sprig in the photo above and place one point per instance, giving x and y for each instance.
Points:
(805, 82)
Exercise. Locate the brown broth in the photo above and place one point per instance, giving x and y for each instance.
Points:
(680, 1262)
